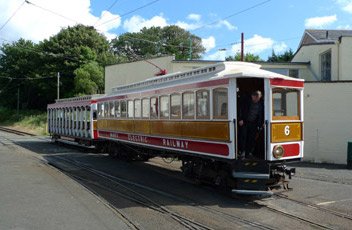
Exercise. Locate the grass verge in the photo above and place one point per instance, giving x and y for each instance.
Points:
(31, 121)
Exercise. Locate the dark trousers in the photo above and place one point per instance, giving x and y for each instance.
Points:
(247, 134)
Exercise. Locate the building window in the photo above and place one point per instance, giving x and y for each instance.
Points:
(203, 104)
(164, 107)
(220, 103)
(176, 106)
(293, 73)
(325, 66)
(188, 105)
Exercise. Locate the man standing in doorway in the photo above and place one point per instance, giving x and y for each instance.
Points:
(250, 121)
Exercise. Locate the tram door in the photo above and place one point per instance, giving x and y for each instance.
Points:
(250, 139)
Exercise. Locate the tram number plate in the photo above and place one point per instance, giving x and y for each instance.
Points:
(281, 132)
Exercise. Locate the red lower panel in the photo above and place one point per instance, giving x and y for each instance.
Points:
(291, 150)
(178, 144)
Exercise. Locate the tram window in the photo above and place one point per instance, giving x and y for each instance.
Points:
(164, 107)
(130, 109)
(112, 108)
(106, 109)
(176, 106)
(203, 104)
(123, 108)
(117, 109)
(286, 105)
(137, 108)
(145, 108)
(100, 111)
(188, 105)
(220, 103)
(154, 108)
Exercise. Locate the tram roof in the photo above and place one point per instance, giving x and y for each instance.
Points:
(214, 71)
(75, 101)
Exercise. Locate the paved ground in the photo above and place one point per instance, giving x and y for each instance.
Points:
(35, 196)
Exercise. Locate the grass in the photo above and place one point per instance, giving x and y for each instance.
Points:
(31, 121)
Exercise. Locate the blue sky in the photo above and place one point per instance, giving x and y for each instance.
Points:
(266, 24)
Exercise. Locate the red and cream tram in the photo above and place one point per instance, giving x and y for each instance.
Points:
(193, 116)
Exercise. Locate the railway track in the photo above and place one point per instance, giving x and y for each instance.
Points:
(17, 132)
(120, 187)
(129, 192)
(316, 207)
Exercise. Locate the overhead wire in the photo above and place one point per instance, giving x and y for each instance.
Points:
(130, 12)
(13, 14)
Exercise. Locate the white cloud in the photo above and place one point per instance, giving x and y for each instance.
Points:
(187, 26)
(280, 47)
(46, 18)
(345, 5)
(320, 22)
(227, 24)
(195, 17)
(136, 23)
(255, 45)
(208, 43)
(344, 27)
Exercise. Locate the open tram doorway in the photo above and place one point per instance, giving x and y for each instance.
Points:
(250, 133)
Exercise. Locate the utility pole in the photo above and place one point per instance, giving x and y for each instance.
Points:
(190, 47)
(58, 85)
(242, 47)
(18, 101)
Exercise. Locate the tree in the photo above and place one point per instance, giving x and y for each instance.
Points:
(248, 57)
(287, 56)
(155, 41)
(71, 49)
(89, 79)
(19, 63)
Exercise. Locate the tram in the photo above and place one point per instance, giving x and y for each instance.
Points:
(194, 116)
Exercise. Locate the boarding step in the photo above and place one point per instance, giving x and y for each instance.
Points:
(252, 192)
(258, 166)
(250, 175)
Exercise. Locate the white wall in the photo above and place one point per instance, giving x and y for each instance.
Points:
(312, 54)
(122, 74)
(345, 57)
(327, 121)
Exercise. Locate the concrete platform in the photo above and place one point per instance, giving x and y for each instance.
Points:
(34, 195)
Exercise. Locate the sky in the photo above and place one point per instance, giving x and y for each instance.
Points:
(267, 24)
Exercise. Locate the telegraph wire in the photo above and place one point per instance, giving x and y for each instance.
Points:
(48, 10)
(234, 14)
(109, 8)
(14, 13)
(130, 12)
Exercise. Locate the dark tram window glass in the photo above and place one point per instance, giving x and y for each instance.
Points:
(164, 107)
(154, 108)
(220, 103)
(175, 106)
(286, 104)
(123, 108)
(188, 105)
(203, 104)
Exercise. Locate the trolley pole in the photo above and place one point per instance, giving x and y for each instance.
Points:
(242, 47)
(58, 85)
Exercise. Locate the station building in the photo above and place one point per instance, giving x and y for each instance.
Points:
(322, 59)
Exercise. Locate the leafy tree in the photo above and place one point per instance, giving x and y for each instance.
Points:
(19, 62)
(72, 48)
(248, 57)
(287, 56)
(154, 41)
(89, 79)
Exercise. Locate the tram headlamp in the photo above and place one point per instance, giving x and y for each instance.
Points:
(278, 151)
